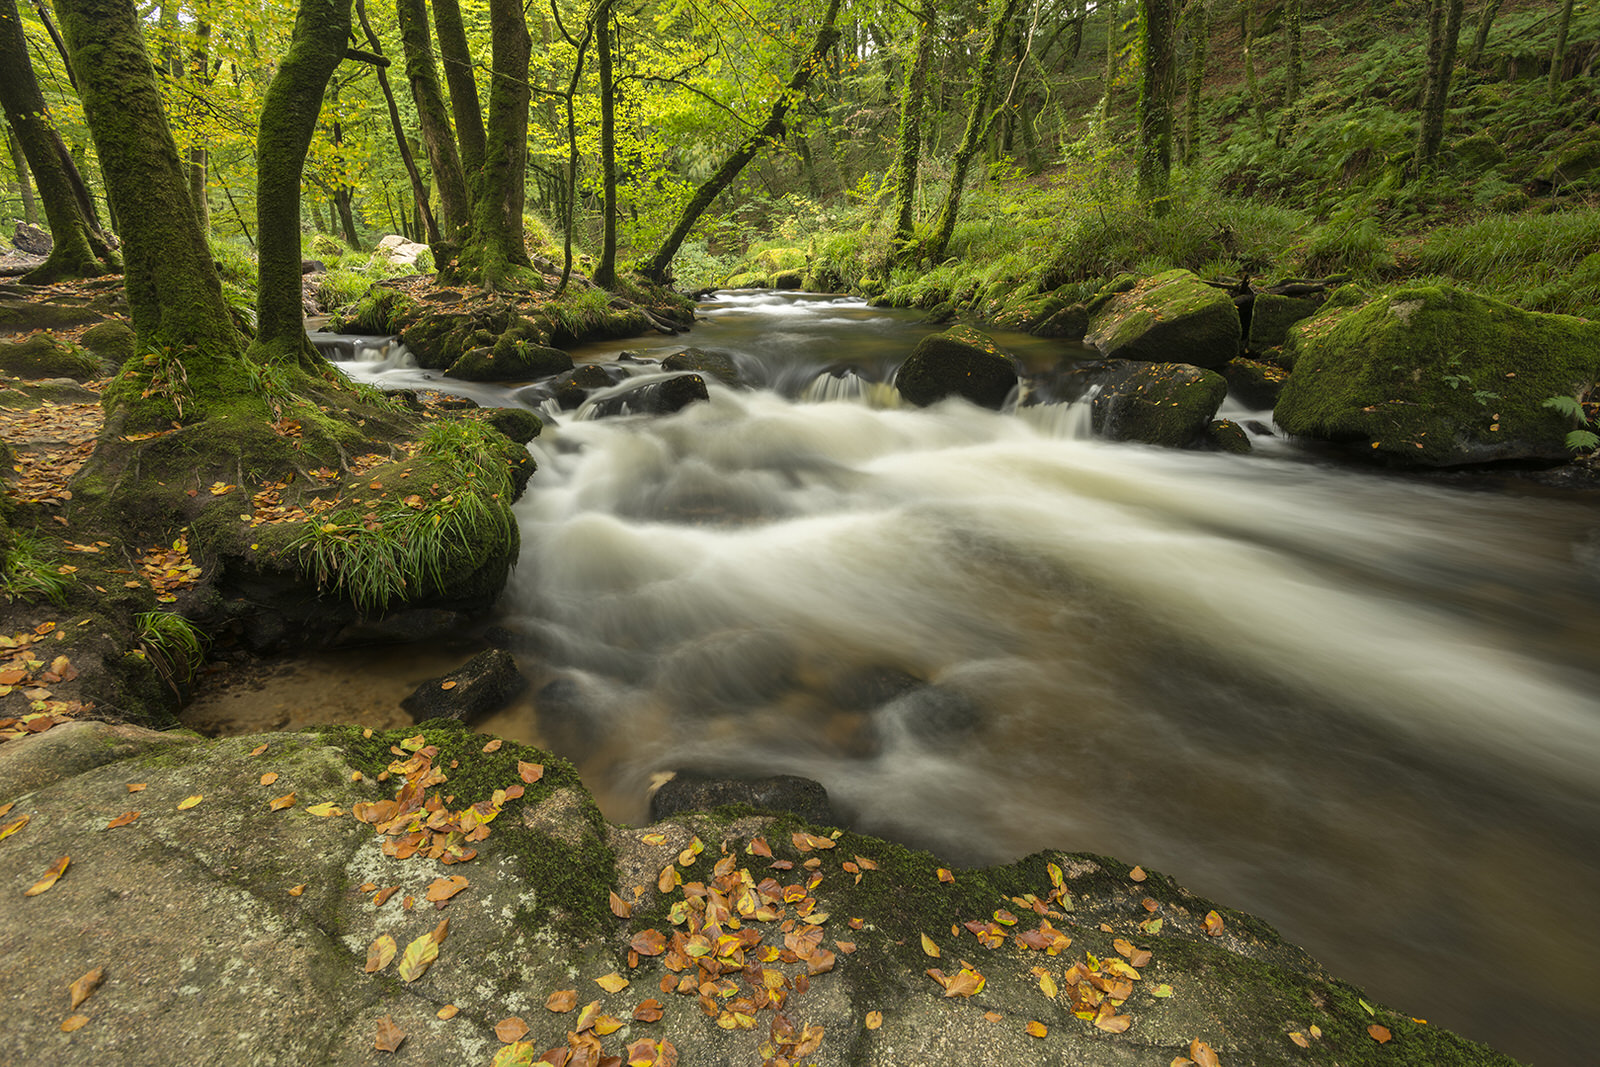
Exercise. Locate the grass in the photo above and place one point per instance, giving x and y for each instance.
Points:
(172, 644)
(26, 574)
(1541, 262)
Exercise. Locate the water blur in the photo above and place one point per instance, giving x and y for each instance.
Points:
(1361, 706)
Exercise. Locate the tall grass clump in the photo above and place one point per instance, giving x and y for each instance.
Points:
(26, 573)
(1540, 262)
(172, 643)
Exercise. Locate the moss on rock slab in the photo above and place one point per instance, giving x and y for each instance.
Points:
(959, 362)
(1170, 317)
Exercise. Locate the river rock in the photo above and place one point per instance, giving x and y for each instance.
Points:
(31, 239)
(519, 424)
(1225, 435)
(1434, 376)
(231, 933)
(1271, 316)
(479, 688)
(691, 791)
(719, 365)
(1166, 404)
(1171, 317)
(400, 251)
(1253, 383)
(511, 359)
(573, 388)
(959, 362)
(655, 398)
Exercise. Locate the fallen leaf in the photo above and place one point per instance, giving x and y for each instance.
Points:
(1202, 1054)
(296, 890)
(1300, 1039)
(136, 787)
(84, 986)
(1108, 1020)
(447, 1012)
(57, 869)
(606, 1024)
(993, 1016)
(418, 955)
(945, 875)
(269, 777)
(13, 827)
(279, 803)
(380, 953)
(1036, 1028)
(928, 946)
(1161, 989)
(258, 750)
(381, 897)
(648, 1011)
(1380, 1034)
(188, 802)
(649, 943)
(619, 907)
(1137, 874)
(562, 1000)
(964, 983)
(1213, 924)
(389, 1035)
(447, 685)
(445, 888)
(612, 983)
(530, 772)
(73, 1022)
(511, 1029)
(326, 809)
(493, 746)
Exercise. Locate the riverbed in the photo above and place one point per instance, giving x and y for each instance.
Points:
(1363, 706)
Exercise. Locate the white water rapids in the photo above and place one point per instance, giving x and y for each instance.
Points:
(1362, 706)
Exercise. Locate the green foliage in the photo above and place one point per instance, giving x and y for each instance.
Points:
(1541, 262)
(172, 644)
(1582, 439)
(27, 574)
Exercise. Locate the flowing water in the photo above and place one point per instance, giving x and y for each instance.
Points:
(1364, 707)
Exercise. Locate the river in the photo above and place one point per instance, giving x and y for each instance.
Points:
(1365, 707)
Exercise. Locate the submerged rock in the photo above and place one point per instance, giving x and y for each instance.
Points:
(478, 688)
(1434, 376)
(1171, 317)
(691, 791)
(230, 932)
(656, 398)
(959, 362)
(1166, 404)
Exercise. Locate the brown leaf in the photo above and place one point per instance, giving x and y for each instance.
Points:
(389, 1035)
(964, 983)
(73, 1022)
(136, 787)
(649, 943)
(619, 907)
(258, 750)
(511, 1029)
(1108, 1020)
(84, 986)
(758, 847)
(382, 896)
(1036, 1028)
(447, 1012)
(493, 746)
(12, 827)
(1213, 924)
(447, 685)
(380, 953)
(648, 1011)
(122, 820)
(562, 1000)
(993, 1016)
(1380, 1034)
(279, 803)
(1137, 874)
(530, 772)
(445, 888)
(57, 869)
(269, 777)
(1202, 1054)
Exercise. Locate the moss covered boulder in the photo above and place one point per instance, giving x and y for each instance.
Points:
(1044, 315)
(1271, 316)
(959, 362)
(1168, 404)
(111, 341)
(512, 359)
(42, 356)
(1433, 376)
(1172, 317)
(236, 931)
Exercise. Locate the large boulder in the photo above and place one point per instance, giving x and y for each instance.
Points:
(660, 397)
(959, 362)
(400, 251)
(1434, 376)
(31, 239)
(1172, 317)
(719, 365)
(692, 791)
(1271, 315)
(304, 919)
(510, 359)
(1168, 404)
(42, 356)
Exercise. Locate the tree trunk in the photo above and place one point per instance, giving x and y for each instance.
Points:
(289, 113)
(30, 206)
(1291, 91)
(1113, 49)
(605, 272)
(569, 184)
(1558, 57)
(1480, 40)
(1157, 29)
(402, 143)
(494, 247)
(80, 249)
(1444, 26)
(771, 130)
(1199, 18)
(344, 198)
(905, 174)
(1247, 40)
(199, 162)
(174, 294)
(433, 116)
(979, 116)
(457, 62)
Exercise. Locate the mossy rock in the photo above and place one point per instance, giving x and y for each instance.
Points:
(1119, 284)
(774, 260)
(572, 389)
(1477, 153)
(1434, 376)
(512, 361)
(42, 356)
(380, 310)
(1027, 312)
(518, 424)
(112, 341)
(1575, 162)
(719, 365)
(1168, 404)
(1254, 384)
(747, 280)
(1168, 317)
(1271, 316)
(788, 279)
(959, 362)
(1225, 435)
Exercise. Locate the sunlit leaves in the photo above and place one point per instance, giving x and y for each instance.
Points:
(86, 985)
(1035, 1028)
(12, 827)
(445, 888)
(612, 983)
(188, 802)
(380, 953)
(50, 877)
(279, 803)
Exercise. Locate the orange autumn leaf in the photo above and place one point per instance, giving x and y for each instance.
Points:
(1137, 874)
(13, 827)
(493, 746)
(122, 820)
(389, 1035)
(51, 876)
(81, 989)
(530, 772)
(874, 1019)
(279, 803)
(136, 787)
(381, 897)
(73, 1022)
(1380, 1034)
(649, 943)
(1036, 1028)
(269, 777)
(380, 953)
(258, 750)
(619, 907)
(758, 847)
(447, 1012)
(296, 890)
(1213, 924)
(1202, 1054)
(447, 685)
(964, 983)
(945, 875)
(445, 888)
(562, 1000)
(511, 1029)
(648, 1011)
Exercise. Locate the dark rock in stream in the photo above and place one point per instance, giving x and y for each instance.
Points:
(688, 791)
(402, 628)
(959, 362)
(719, 365)
(573, 388)
(657, 398)
(481, 687)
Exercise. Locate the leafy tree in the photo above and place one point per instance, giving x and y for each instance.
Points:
(1197, 18)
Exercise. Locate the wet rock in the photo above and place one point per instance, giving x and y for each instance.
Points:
(567, 714)
(519, 424)
(719, 365)
(869, 687)
(479, 688)
(1171, 317)
(1271, 316)
(959, 362)
(1167, 404)
(1225, 435)
(1253, 383)
(929, 714)
(1435, 376)
(656, 398)
(313, 266)
(402, 628)
(573, 388)
(510, 360)
(691, 791)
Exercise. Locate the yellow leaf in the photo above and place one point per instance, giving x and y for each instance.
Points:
(57, 869)
(1036, 1028)
(418, 955)
(188, 802)
(279, 803)
(1047, 986)
(325, 809)
(1213, 924)
(1300, 1039)
(269, 777)
(84, 986)
(73, 1022)
(447, 1012)
(928, 947)
(612, 983)
(606, 1024)
(380, 953)
(874, 1019)
(13, 827)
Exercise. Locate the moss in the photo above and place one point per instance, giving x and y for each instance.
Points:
(1225, 435)
(1168, 404)
(380, 310)
(42, 356)
(1271, 316)
(518, 424)
(112, 341)
(960, 362)
(1436, 376)
(1172, 316)
(747, 280)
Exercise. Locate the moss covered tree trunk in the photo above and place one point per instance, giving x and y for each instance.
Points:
(1444, 27)
(19, 166)
(1198, 17)
(433, 116)
(1157, 84)
(80, 249)
(1113, 50)
(1480, 40)
(457, 61)
(288, 120)
(1291, 90)
(979, 115)
(910, 137)
(605, 272)
(493, 249)
(1247, 44)
(770, 131)
(418, 221)
(1558, 55)
(174, 294)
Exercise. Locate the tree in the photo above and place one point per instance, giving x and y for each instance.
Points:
(1444, 27)
(1247, 45)
(19, 166)
(771, 130)
(979, 115)
(910, 135)
(1291, 91)
(1558, 55)
(433, 117)
(80, 250)
(1157, 30)
(1197, 16)
(1480, 40)
(605, 271)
